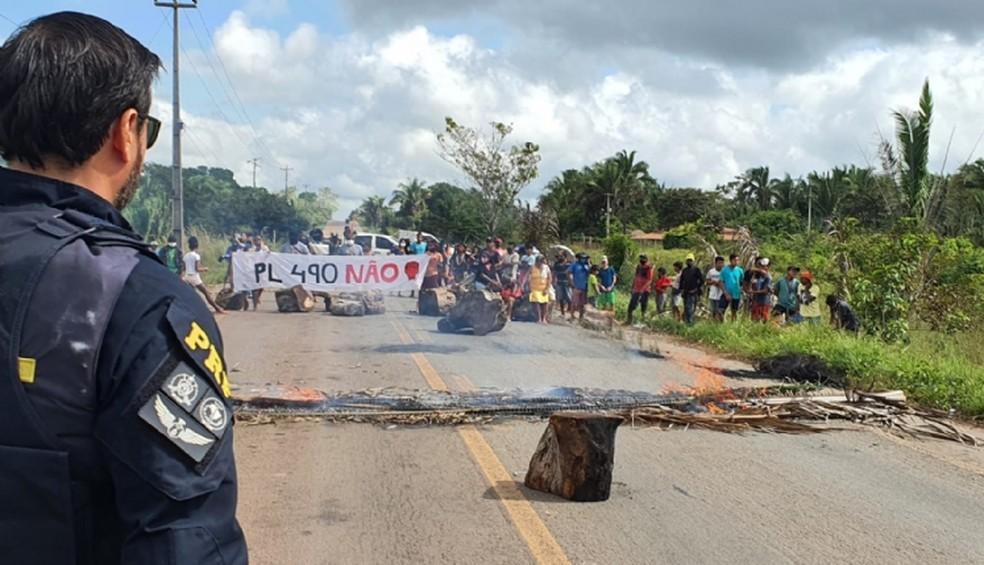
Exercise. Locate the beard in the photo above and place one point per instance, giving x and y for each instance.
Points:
(129, 189)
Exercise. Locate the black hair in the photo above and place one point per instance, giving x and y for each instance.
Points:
(678, 264)
(733, 256)
(193, 243)
(64, 79)
(294, 238)
(317, 235)
(661, 271)
(718, 258)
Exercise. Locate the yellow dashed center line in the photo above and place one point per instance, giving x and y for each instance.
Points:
(541, 543)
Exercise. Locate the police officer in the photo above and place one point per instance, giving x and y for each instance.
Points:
(115, 423)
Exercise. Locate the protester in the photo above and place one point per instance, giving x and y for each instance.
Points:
(842, 316)
(715, 289)
(499, 248)
(509, 269)
(562, 283)
(809, 299)
(732, 277)
(787, 293)
(170, 255)
(510, 293)
(350, 248)
(486, 277)
(676, 301)
(419, 247)
(317, 244)
(661, 286)
(460, 262)
(641, 285)
(691, 286)
(593, 286)
(540, 283)
(258, 246)
(607, 279)
(760, 291)
(192, 272)
(294, 245)
(579, 285)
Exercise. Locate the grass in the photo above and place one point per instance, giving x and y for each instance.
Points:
(935, 371)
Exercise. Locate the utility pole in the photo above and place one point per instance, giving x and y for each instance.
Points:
(255, 161)
(809, 208)
(286, 171)
(177, 188)
(608, 214)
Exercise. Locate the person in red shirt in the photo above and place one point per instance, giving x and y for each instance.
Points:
(660, 287)
(641, 285)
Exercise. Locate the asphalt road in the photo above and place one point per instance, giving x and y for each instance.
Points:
(314, 492)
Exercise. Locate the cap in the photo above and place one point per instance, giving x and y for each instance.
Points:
(764, 261)
(807, 276)
(690, 257)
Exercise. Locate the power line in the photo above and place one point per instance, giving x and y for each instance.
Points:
(242, 107)
(257, 140)
(15, 24)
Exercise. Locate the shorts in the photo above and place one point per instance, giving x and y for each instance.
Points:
(194, 279)
(677, 301)
(606, 299)
(579, 298)
(734, 304)
(539, 297)
(563, 293)
(714, 305)
(760, 312)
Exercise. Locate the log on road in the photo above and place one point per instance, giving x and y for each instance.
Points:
(436, 301)
(481, 311)
(229, 299)
(575, 457)
(365, 303)
(294, 299)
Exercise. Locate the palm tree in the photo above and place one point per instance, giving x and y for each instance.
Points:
(788, 193)
(411, 197)
(755, 185)
(908, 160)
(372, 212)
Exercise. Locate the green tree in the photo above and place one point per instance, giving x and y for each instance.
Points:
(374, 213)
(498, 172)
(411, 199)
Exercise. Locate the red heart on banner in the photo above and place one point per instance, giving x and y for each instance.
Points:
(411, 269)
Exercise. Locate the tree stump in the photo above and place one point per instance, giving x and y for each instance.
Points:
(340, 307)
(435, 302)
(294, 299)
(229, 299)
(480, 310)
(374, 302)
(575, 457)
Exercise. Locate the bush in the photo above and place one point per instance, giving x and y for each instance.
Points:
(621, 252)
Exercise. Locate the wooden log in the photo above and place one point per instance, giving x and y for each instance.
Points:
(436, 301)
(294, 299)
(575, 457)
(480, 310)
(341, 307)
(229, 299)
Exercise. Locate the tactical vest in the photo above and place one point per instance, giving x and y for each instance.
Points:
(42, 502)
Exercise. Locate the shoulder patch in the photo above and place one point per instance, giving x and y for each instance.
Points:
(186, 411)
(201, 345)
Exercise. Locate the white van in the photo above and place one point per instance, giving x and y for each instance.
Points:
(378, 244)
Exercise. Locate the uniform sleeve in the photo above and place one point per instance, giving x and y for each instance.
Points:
(166, 430)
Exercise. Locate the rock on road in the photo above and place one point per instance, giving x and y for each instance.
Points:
(359, 493)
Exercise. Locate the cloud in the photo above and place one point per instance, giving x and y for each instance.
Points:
(359, 111)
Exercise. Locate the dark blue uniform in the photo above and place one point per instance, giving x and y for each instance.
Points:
(115, 423)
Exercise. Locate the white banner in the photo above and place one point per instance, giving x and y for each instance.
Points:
(327, 273)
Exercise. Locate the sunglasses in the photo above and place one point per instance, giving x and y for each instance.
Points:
(153, 129)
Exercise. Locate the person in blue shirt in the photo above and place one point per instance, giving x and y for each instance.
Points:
(607, 278)
(579, 285)
(419, 247)
(731, 279)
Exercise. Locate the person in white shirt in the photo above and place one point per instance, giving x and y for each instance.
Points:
(192, 273)
(716, 289)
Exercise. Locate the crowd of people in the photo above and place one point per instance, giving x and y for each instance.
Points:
(729, 290)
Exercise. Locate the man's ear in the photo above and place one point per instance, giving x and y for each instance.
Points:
(125, 136)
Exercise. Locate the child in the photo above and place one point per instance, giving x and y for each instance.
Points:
(677, 297)
(593, 286)
(660, 286)
(193, 270)
(510, 293)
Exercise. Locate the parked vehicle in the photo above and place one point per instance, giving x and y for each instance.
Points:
(377, 243)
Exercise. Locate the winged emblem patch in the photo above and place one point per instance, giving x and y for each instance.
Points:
(176, 427)
(168, 419)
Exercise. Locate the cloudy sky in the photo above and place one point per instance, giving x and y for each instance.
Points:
(350, 93)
